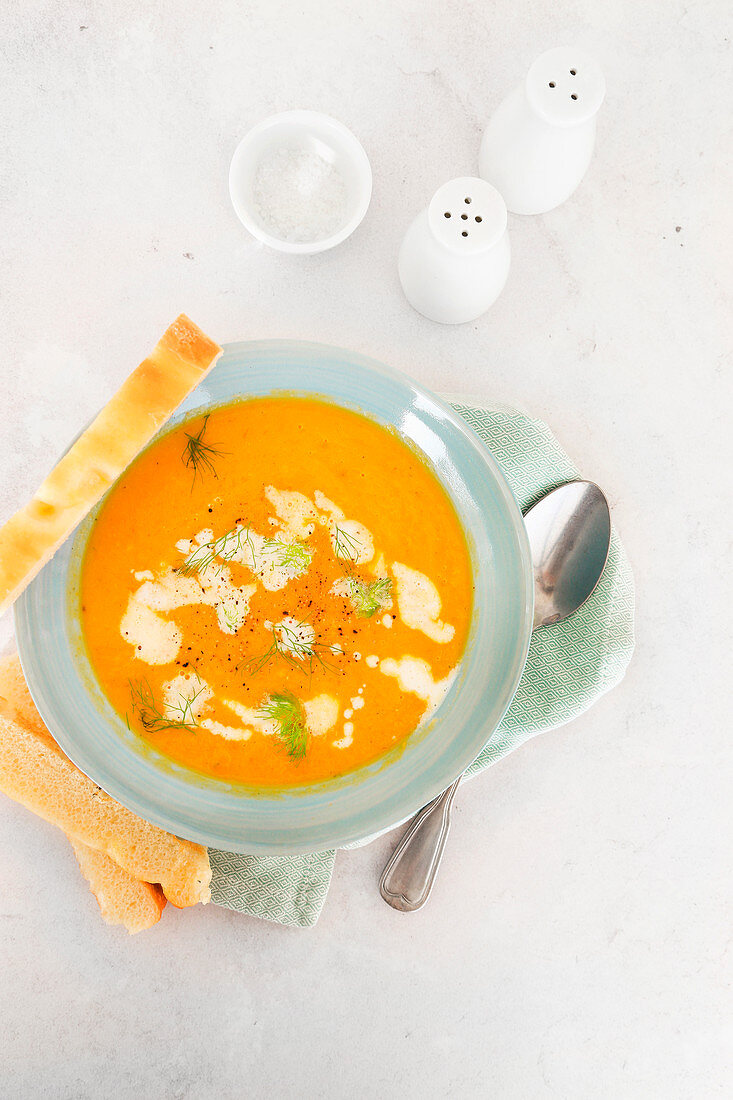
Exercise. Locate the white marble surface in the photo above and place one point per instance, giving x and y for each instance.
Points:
(575, 945)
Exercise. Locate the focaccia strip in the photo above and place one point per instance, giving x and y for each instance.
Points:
(125, 425)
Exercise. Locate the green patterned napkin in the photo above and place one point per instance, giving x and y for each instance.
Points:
(568, 668)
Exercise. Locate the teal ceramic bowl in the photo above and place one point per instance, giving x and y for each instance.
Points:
(337, 812)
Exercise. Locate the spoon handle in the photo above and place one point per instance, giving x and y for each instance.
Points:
(408, 878)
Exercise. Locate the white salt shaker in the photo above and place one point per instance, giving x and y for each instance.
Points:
(539, 142)
(454, 259)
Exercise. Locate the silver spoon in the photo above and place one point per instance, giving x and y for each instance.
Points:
(569, 533)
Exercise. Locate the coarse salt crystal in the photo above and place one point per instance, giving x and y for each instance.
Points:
(299, 195)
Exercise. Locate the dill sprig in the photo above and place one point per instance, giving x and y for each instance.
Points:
(288, 645)
(369, 598)
(345, 546)
(256, 664)
(231, 615)
(287, 712)
(200, 455)
(200, 560)
(289, 555)
(250, 547)
(292, 556)
(153, 718)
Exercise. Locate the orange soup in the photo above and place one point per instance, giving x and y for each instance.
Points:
(277, 592)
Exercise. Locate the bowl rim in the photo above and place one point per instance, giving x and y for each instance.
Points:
(33, 632)
(309, 122)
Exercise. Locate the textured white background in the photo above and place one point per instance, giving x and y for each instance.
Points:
(575, 945)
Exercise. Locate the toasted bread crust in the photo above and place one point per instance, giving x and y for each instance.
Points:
(182, 357)
(122, 899)
(35, 772)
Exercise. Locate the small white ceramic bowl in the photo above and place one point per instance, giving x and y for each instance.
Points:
(299, 132)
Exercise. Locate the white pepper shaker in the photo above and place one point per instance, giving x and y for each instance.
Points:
(455, 256)
(539, 142)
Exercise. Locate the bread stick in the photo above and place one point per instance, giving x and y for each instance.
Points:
(125, 425)
(122, 899)
(35, 772)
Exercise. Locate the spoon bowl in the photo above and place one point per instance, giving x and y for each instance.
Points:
(569, 535)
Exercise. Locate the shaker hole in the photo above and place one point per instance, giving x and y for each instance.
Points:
(464, 233)
(552, 84)
(478, 218)
(466, 200)
(447, 214)
(464, 217)
(573, 72)
(573, 96)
